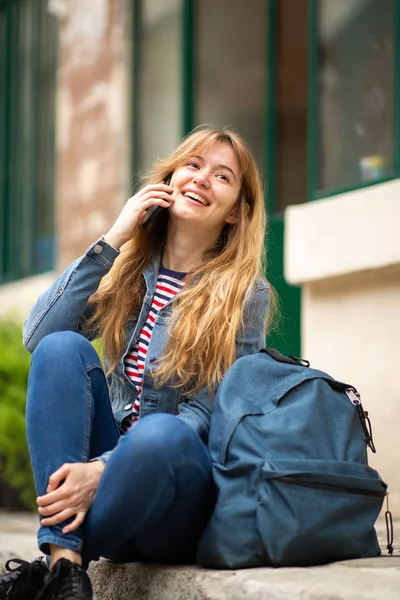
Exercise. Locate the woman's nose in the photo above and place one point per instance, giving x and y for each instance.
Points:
(201, 179)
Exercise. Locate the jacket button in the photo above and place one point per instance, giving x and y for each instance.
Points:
(97, 249)
(128, 406)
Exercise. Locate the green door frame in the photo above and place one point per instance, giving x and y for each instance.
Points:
(188, 65)
(6, 22)
(135, 58)
(286, 333)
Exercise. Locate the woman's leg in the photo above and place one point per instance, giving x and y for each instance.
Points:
(155, 496)
(69, 417)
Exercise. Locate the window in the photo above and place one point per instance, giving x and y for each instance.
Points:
(230, 68)
(158, 80)
(354, 50)
(28, 43)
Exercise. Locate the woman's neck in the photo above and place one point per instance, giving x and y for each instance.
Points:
(184, 248)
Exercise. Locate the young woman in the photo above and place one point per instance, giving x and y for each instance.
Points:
(175, 302)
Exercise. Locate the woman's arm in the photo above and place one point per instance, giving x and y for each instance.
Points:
(64, 306)
(196, 411)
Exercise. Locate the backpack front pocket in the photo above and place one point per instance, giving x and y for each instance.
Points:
(317, 511)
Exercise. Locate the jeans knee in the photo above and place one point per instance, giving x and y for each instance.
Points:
(61, 346)
(162, 436)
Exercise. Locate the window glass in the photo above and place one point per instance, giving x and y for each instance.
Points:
(355, 92)
(159, 80)
(28, 60)
(230, 68)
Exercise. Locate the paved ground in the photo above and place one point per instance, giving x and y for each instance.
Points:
(17, 536)
(371, 579)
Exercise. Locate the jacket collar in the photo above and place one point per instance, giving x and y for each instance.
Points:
(150, 273)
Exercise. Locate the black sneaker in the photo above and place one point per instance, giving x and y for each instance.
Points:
(22, 582)
(66, 581)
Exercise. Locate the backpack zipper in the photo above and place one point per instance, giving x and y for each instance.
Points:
(328, 487)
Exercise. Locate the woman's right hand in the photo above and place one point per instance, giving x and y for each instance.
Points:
(70, 493)
(133, 213)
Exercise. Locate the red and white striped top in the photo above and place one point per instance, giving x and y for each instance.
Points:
(169, 283)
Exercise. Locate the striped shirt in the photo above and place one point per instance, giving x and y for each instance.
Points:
(169, 283)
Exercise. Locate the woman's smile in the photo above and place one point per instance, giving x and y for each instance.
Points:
(196, 198)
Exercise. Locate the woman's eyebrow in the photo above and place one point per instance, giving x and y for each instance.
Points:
(218, 166)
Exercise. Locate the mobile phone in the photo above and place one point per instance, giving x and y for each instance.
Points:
(153, 210)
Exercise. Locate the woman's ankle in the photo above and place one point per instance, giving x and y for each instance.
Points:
(57, 552)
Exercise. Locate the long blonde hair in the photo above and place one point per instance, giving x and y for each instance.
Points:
(207, 314)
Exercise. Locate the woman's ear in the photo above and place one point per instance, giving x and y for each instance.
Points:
(233, 215)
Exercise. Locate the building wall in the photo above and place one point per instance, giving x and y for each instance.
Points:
(93, 128)
(345, 252)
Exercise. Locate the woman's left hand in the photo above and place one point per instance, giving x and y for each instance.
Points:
(70, 492)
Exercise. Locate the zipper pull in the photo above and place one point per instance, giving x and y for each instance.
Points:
(353, 396)
(355, 399)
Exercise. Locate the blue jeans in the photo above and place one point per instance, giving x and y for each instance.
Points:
(155, 495)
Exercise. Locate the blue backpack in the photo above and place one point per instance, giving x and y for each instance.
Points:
(289, 452)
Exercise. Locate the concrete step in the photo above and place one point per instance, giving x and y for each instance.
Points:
(366, 579)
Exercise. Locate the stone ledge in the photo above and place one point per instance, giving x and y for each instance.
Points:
(347, 234)
(367, 579)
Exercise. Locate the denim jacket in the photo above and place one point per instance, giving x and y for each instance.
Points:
(64, 307)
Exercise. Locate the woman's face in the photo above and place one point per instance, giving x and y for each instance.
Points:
(206, 188)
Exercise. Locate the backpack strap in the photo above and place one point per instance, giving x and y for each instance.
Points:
(350, 391)
(290, 360)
